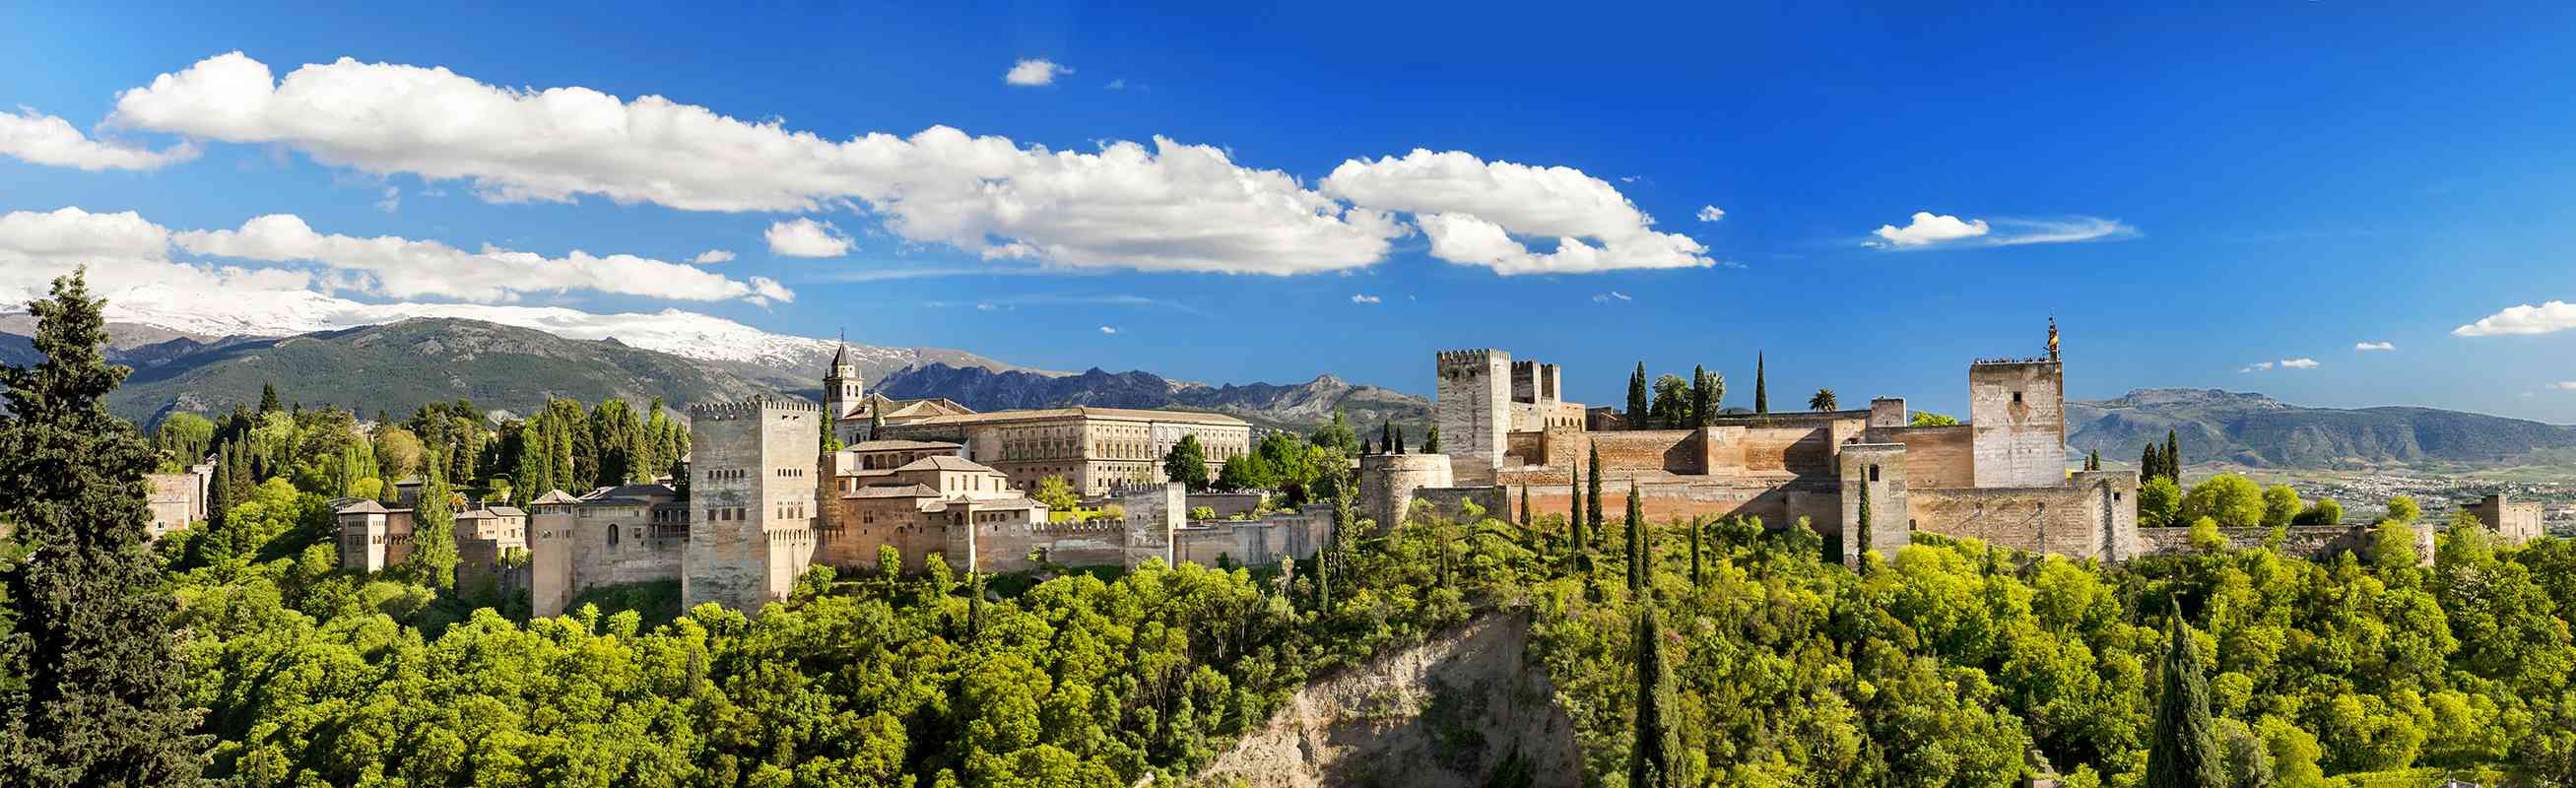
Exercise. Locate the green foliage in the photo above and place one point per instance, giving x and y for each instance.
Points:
(433, 554)
(1823, 400)
(2232, 500)
(1640, 407)
(2403, 509)
(2205, 536)
(1057, 494)
(184, 439)
(1706, 392)
(2280, 505)
(1431, 440)
(1187, 463)
(2183, 751)
(1655, 743)
(2159, 503)
(2323, 512)
(95, 690)
(1671, 404)
(1761, 391)
(1930, 419)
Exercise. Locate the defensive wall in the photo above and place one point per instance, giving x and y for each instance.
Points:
(2312, 542)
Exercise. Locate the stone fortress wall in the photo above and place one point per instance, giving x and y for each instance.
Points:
(2002, 477)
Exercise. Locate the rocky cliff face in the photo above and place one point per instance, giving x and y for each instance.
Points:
(1445, 713)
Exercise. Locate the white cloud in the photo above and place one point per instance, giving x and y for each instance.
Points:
(1928, 229)
(2294, 363)
(52, 141)
(1471, 209)
(2371, 346)
(985, 307)
(392, 200)
(1116, 84)
(2564, 385)
(126, 250)
(1030, 72)
(803, 237)
(1710, 213)
(1163, 206)
(2546, 318)
(712, 257)
(1108, 329)
(1613, 295)
(1364, 298)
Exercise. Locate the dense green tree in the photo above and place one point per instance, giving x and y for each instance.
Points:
(1639, 410)
(2280, 505)
(184, 438)
(2151, 462)
(2093, 460)
(2183, 752)
(433, 531)
(2322, 511)
(2172, 457)
(2232, 500)
(1240, 472)
(1431, 440)
(1761, 389)
(1187, 463)
(1823, 400)
(1636, 524)
(98, 689)
(1653, 760)
(1056, 493)
(1929, 419)
(268, 399)
(1338, 435)
(1671, 405)
(1574, 509)
(1523, 515)
(2159, 503)
(1592, 496)
(1706, 392)
(2403, 509)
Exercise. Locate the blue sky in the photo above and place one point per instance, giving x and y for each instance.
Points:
(2269, 183)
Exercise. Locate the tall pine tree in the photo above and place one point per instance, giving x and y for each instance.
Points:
(101, 702)
(1860, 552)
(1592, 499)
(1574, 508)
(1654, 755)
(1761, 390)
(2182, 751)
(2173, 458)
(1703, 405)
(1636, 540)
(1637, 403)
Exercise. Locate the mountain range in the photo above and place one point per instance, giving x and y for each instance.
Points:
(2258, 431)
(399, 366)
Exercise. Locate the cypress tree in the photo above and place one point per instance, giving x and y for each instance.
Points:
(1386, 436)
(876, 421)
(219, 488)
(2173, 458)
(1592, 498)
(1761, 392)
(268, 399)
(1696, 526)
(1524, 514)
(1365, 448)
(100, 698)
(2183, 751)
(1431, 440)
(1636, 541)
(1653, 757)
(2148, 466)
(1860, 551)
(433, 531)
(1703, 407)
(1637, 403)
(1574, 509)
(1399, 440)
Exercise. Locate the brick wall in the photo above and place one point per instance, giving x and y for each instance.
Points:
(1934, 456)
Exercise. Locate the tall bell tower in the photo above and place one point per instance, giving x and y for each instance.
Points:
(843, 391)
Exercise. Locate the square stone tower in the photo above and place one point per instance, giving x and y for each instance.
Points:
(752, 468)
(2017, 416)
(1880, 467)
(1474, 411)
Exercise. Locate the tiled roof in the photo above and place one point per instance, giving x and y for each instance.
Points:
(945, 462)
(554, 497)
(1131, 414)
(362, 506)
(894, 491)
(899, 445)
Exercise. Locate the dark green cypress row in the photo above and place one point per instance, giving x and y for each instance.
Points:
(2183, 750)
(102, 692)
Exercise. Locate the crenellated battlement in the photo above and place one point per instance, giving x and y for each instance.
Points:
(1469, 358)
(752, 407)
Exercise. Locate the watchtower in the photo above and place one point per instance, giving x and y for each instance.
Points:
(2017, 416)
(751, 509)
(1473, 411)
(843, 392)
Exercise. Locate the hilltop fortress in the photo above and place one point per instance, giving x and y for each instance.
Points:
(2001, 477)
(919, 479)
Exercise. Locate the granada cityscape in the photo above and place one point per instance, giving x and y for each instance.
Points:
(1714, 395)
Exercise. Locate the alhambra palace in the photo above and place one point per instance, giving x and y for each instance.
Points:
(923, 478)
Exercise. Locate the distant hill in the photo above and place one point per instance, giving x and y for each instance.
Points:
(2255, 430)
(1300, 406)
(399, 367)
